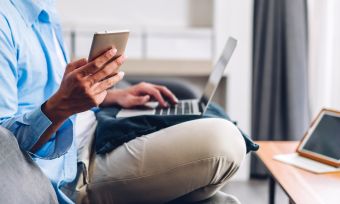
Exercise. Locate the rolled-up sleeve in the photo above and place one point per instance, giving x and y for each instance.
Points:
(59, 143)
(27, 127)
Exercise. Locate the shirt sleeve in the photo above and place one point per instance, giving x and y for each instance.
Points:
(27, 127)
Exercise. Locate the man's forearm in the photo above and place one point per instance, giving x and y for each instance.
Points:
(46, 136)
(56, 116)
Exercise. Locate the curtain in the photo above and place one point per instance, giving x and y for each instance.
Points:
(280, 108)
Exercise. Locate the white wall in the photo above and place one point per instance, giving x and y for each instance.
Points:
(182, 26)
(234, 18)
(136, 12)
(324, 54)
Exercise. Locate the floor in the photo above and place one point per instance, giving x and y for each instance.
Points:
(254, 192)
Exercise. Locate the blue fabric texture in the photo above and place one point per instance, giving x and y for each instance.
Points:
(30, 72)
(112, 132)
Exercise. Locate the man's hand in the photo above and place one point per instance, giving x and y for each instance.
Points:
(84, 86)
(139, 95)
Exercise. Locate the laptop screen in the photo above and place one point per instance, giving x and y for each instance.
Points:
(218, 71)
(325, 138)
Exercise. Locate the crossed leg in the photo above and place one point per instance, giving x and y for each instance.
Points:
(190, 161)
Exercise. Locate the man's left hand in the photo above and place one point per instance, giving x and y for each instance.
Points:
(139, 95)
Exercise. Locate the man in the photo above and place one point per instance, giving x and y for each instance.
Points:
(38, 102)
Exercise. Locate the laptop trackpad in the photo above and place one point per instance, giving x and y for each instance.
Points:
(135, 112)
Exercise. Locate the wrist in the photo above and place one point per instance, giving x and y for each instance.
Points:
(52, 108)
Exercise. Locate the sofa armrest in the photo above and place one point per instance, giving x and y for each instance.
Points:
(22, 181)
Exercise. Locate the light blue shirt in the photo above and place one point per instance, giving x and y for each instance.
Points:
(30, 72)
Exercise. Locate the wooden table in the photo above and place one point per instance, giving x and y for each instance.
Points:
(302, 187)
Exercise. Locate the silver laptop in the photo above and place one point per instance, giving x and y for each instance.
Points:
(191, 106)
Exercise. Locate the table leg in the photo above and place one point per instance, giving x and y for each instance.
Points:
(271, 190)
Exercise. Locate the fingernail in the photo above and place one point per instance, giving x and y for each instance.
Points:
(121, 74)
(113, 51)
(124, 57)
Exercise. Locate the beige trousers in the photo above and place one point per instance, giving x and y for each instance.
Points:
(190, 161)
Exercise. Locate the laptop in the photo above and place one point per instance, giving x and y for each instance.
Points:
(191, 106)
(319, 150)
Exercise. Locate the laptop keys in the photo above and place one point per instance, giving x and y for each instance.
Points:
(186, 108)
(158, 110)
(182, 108)
(191, 107)
(172, 110)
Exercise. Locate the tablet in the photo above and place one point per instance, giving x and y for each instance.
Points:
(103, 41)
(322, 140)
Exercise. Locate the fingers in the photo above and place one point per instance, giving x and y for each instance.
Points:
(137, 100)
(109, 69)
(167, 93)
(75, 65)
(155, 93)
(108, 83)
(98, 63)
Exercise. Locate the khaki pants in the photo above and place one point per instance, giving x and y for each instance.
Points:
(190, 161)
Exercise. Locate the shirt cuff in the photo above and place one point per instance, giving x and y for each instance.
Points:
(95, 109)
(58, 144)
(38, 123)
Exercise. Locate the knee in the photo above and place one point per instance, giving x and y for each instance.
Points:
(221, 138)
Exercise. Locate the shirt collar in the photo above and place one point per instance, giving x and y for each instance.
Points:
(32, 10)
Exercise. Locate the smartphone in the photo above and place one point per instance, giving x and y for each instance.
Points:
(104, 41)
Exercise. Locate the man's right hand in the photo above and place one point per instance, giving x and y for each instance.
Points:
(84, 86)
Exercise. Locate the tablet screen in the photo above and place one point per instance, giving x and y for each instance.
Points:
(325, 139)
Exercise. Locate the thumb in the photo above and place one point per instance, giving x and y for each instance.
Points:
(75, 65)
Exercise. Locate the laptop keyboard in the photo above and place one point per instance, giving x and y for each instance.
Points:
(181, 108)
